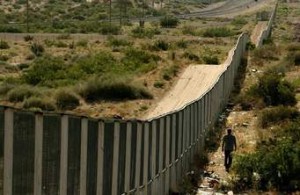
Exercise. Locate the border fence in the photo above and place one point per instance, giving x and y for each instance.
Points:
(50, 153)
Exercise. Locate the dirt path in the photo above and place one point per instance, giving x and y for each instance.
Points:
(244, 128)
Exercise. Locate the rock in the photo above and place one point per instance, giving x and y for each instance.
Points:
(245, 124)
(230, 193)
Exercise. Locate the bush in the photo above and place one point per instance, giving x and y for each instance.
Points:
(239, 21)
(250, 46)
(140, 32)
(45, 71)
(293, 47)
(161, 45)
(5, 88)
(210, 59)
(191, 56)
(112, 88)
(297, 58)
(20, 93)
(110, 29)
(275, 165)
(267, 52)
(276, 115)
(170, 72)
(4, 45)
(66, 100)
(182, 44)
(218, 32)
(169, 22)
(37, 49)
(276, 91)
(28, 38)
(82, 43)
(159, 84)
(116, 42)
(136, 60)
(37, 102)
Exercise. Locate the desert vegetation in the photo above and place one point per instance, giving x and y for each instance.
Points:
(128, 64)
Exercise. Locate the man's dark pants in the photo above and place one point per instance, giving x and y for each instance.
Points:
(228, 159)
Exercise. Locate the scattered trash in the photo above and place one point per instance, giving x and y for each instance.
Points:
(245, 124)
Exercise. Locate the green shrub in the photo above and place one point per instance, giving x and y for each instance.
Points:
(293, 47)
(5, 88)
(140, 32)
(239, 21)
(210, 59)
(189, 30)
(276, 91)
(4, 45)
(37, 102)
(136, 60)
(4, 57)
(97, 63)
(37, 49)
(161, 45)
(112, 88)
(45, 70)
(159, 84)
(28, 38)
(182, 44)
(218, 32)
(110, 29)
(10, 29)
(169, 22)
(170, 72)
(20, 93)
(116, 42)
(191, 56)
(66, 100)
(82, 43)
(267, 52)
(297, 58)
(250, 46)
(275, 165)
(276, 115)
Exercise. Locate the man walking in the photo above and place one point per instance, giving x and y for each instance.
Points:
(228, 145)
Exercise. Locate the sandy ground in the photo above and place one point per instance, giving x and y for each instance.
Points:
(257, 32)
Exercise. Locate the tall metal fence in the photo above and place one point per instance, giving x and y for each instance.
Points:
(50, 153)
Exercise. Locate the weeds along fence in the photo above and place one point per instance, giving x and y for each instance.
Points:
(51, 153)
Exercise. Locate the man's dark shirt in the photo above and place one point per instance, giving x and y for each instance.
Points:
(229, 142)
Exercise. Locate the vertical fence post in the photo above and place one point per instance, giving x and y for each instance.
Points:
(167, 163)
(128, 157)
(138, 156)
(153, 159)
(100, 157)
(83, 155)
(161, 152)
(38, 154)
(146, 157)
(8, 151)
(180, 148)
(173, 168)
(63, 184)
(115, 158)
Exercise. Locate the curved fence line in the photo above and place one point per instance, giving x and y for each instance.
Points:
(51, 153)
